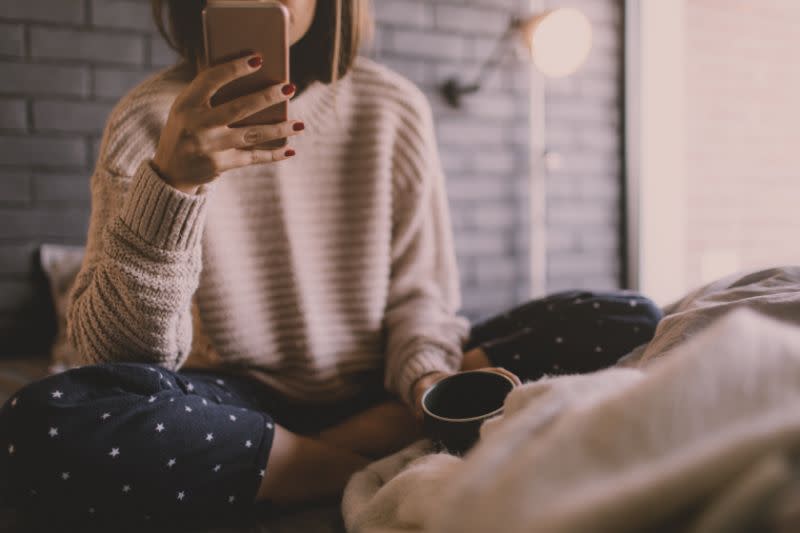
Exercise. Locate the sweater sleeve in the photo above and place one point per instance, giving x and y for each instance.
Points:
(132, 297)
(424, 331)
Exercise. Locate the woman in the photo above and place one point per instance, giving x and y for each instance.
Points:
(257, 324)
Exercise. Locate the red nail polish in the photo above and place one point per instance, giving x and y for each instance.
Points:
(298, 126)
(288, 89)
(289, 153)
(255, 61)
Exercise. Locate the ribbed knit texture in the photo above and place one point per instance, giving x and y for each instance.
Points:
(316, 274)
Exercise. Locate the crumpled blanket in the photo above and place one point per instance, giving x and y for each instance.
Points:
(701, 440)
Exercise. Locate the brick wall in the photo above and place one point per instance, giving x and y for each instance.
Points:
(64, 63)
(742, 148)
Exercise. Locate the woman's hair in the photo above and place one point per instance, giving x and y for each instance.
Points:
(325, 53)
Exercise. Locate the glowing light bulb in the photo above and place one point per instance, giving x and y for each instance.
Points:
(560, 41)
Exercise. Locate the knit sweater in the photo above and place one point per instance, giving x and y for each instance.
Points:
(318, 275)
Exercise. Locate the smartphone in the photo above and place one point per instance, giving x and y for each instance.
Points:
(232, 28)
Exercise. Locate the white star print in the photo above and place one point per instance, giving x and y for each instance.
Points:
(171, 463)
(559, 340)
(65, 476)
(151, 399)
(188, 409)
(205, 402)
(114, 452)
(220, 382)
(106, 416)
(269, 425)
(126, 488)
(53, 432)
(209, 437)
(260, 473)
(248, 444)
(190, 387)
(217, 467)
(10, 449)
(181, 495)
(57, 394)
(172, 400)
(159, 427)
(14, 402)
(232, 417)
(231, 499)
(633, 303)
(598, 349)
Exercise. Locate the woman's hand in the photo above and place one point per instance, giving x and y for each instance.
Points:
(426, 381)
(197, 145)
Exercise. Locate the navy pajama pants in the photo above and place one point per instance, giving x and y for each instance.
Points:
(102, 442)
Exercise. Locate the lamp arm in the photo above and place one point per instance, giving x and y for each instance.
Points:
(494, 59)
(452, 89)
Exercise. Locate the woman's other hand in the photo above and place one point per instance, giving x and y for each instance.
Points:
(426, 381)
(197, 144)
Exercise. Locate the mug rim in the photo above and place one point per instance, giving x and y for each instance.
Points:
(473, 418)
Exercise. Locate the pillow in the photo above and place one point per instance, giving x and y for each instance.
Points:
(61, 264)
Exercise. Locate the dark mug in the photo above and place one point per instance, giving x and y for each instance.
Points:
(455, 407)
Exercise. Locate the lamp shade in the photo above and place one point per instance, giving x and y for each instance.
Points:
(559, 40)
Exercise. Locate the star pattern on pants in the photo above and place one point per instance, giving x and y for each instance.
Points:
(53, 432)
(57, 394)
(209, 437)
(159, 427)
(114, 452)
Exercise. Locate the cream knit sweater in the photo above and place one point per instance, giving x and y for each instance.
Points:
(318, 274)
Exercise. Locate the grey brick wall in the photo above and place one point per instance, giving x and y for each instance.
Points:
(64, 63)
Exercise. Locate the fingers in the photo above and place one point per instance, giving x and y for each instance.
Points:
(235, 158)
(209, 81)
(224, 137)
(249, 104)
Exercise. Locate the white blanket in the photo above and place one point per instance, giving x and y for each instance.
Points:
(693, 441)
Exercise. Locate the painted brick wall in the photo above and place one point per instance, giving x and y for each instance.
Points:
(742, 149)
(64, 63)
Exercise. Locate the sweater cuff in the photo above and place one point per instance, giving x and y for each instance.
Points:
(427, 360)
(161, 215)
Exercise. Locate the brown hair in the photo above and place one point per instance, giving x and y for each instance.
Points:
(338, 28)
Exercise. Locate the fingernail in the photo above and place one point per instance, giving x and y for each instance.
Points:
(289, 153)
(255, 61)
(289, 88)
(298, 126)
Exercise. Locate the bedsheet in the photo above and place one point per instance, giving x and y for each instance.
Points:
(697, 431)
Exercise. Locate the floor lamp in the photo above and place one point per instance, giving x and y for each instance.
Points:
(558, 41)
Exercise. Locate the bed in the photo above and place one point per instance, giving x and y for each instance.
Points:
(699, 431)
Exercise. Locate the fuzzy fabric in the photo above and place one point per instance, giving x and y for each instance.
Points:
(625, 449)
